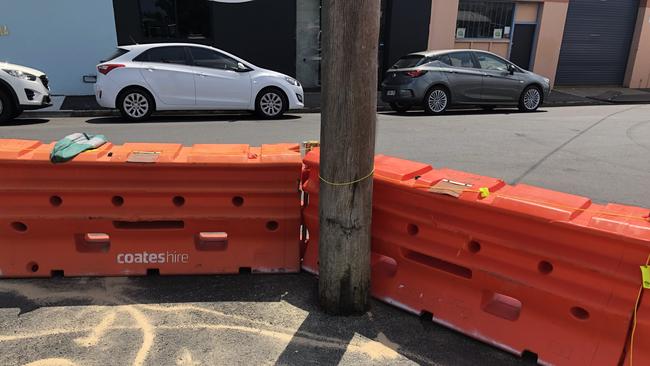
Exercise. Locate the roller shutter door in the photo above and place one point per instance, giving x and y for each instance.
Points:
(596, 42)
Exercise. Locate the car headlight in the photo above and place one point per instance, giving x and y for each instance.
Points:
(547, 81)
(20, 74)
(292, 81)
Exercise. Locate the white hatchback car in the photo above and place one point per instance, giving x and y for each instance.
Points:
(141, 79)
(21, 88)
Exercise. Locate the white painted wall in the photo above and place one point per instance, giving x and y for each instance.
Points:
(64, 38)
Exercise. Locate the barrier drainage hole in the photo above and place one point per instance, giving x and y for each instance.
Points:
(412, 229)
(545, 267)
(56, 201)
(57, 273)
(179, 201)
(579, 313)
(152, 272)
(426, 316)
(19, 226)
(118, 201)
(245, 270)
(32, 267)
(238, 201)
(272, 225)
(529, 357)
(474, 247)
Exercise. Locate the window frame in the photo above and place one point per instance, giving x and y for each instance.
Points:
(490, 37)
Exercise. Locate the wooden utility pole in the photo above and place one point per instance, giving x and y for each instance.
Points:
(349, 113)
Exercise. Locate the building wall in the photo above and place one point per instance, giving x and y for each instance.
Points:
(65, 39)
(550, 30)
(442, 28)
(638, 68)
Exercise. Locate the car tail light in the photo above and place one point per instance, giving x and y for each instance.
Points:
(106, 68)
(416, 73)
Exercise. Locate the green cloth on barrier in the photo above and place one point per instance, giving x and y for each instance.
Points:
(72, 145)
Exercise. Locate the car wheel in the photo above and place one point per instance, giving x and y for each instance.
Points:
(17, 112)
(271, 103)
(436, 101)
(6, 107)
(530, 99)
(136, 105)
(400, 107)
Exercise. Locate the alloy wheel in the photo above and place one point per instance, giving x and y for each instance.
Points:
(437, 101)
(136, 105)
(271, 104)
(532, 99)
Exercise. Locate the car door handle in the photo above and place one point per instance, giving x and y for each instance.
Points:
(151, 69)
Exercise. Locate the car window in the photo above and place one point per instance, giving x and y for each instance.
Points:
(461, 59)
(204, 57)
(118, 52)
(408, 61)
(428, 60)
(489, 62)
(165, 55)
(445, 59)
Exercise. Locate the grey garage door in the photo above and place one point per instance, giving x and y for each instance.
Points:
(596, 42)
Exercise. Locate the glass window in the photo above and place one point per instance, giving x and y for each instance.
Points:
(165, 55)
(212, 59)
(445, 59)
(169, 19)
(489, 62)
(484, 19)
(119, 52)
(408, 61)
(461, 59)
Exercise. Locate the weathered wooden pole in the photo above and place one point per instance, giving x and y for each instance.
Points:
(349, 113)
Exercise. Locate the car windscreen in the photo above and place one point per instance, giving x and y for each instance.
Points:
(118, 52)
(408, 61)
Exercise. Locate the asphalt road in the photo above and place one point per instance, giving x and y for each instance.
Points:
(601, 152)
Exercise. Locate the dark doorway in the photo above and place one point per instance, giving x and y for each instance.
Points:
(522, 45)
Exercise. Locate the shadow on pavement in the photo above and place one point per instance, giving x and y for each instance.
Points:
(24, 122)
(194, 118)
(320, 339)
(462, 112)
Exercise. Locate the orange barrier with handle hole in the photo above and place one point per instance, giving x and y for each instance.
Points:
(522, 268)
(134, 208)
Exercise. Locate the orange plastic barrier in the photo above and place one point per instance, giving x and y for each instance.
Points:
(522, 268)
(130, 209)
(638, 348)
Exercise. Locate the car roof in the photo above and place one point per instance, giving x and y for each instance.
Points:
(146, 46)
(430, 53)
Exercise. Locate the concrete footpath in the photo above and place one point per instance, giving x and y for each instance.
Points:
(86, 106)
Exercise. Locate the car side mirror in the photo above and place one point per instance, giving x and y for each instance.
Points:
(242, 68)
(511, 69)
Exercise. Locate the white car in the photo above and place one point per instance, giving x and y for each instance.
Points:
(21, 88)
(141, 79)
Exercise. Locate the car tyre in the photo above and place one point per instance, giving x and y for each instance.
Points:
(531, 98)
(399, 107)
(436, 101)
(136, 104)
(17, 112)
(7, 108)
(271, 103)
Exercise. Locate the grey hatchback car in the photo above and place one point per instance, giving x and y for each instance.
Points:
(437, 80)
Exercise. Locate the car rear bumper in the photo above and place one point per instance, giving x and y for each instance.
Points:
(399, 94)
